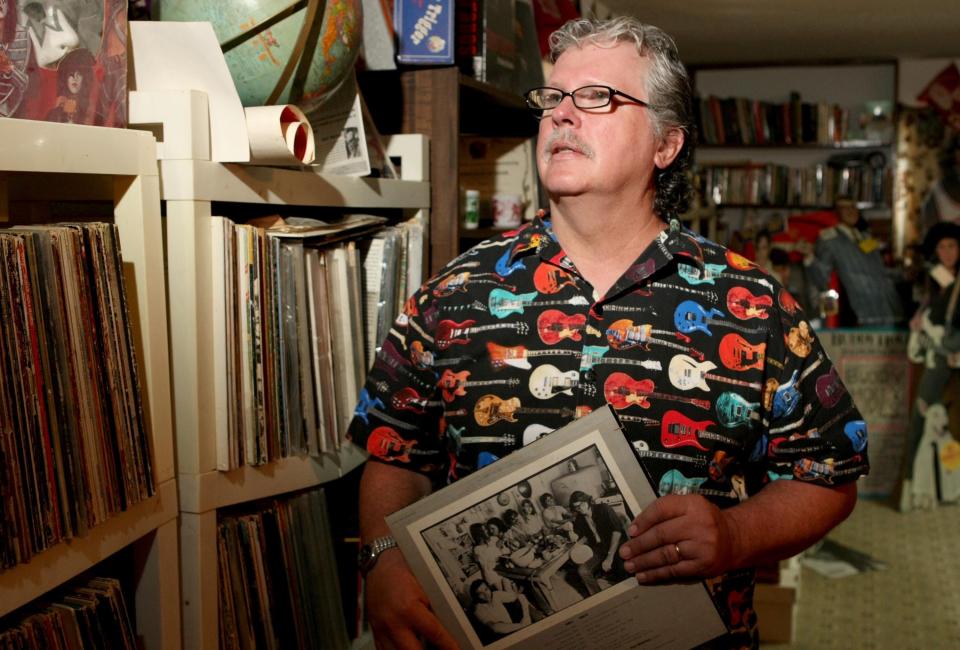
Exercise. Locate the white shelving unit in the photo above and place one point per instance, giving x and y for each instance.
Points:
(59, 161)
(190, 183)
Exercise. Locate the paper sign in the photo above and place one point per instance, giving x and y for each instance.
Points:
(186, 56)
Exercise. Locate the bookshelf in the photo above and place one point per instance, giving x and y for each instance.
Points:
(444, 104)
(191, 186)
(51, 162)
(742, 176)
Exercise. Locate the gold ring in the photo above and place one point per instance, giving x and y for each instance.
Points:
(676, 547)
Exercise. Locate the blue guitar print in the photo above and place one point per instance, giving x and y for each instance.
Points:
(786, 398)
(366, 403)
(504, 268)
(856, 431)
(691, 317)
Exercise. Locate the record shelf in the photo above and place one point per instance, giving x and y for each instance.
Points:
(191, 184)
(44, 161)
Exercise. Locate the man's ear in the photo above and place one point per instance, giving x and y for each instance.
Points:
(669, 148)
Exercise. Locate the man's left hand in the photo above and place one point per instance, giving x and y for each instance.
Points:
(679, 537)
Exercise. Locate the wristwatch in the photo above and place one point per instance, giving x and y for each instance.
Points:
(370, 552)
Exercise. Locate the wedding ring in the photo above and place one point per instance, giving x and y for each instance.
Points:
(676, 547)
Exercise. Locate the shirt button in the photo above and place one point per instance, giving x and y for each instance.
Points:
(590, 375)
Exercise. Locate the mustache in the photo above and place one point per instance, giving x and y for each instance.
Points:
(569, 138)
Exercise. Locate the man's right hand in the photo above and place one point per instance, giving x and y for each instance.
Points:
(398, 609)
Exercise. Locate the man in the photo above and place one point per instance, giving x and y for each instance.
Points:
(352, 137)
(492, 608)
(636, 310)
(868, 285)
(598, 526)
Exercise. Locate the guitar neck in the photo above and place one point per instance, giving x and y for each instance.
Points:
(733, 326)
(392, 420)
(700, 403)
(735, 382)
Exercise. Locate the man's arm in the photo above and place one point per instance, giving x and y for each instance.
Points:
(397, 607)
(781, 520)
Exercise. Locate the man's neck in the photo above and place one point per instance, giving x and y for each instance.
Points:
(604, 237)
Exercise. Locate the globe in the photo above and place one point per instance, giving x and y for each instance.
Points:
(263, 43)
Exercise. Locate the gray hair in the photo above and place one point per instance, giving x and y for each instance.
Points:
(668, 91)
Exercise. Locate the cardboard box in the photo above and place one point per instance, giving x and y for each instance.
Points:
(776, 604)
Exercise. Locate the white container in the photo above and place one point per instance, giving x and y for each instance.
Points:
(507, 210)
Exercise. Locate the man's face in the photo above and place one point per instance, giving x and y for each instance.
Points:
(483, 593)
(600, 150)
(582, 507)
(848, 212)
(75, 83)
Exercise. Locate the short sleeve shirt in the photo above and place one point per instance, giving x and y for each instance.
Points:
(719, 382)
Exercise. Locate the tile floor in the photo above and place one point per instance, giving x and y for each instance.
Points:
(912, 604)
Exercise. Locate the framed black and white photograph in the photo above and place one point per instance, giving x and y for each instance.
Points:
(525, 550)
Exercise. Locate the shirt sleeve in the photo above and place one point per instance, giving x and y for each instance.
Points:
(815, 434)
(398, 418)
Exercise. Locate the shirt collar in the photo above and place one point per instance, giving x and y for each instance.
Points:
(538, 238)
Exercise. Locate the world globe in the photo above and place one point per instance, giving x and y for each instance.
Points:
(280, 51)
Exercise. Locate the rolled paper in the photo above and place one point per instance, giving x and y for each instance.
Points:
(279, 135)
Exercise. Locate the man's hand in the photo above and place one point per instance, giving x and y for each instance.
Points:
(398, 610)
(679, 536)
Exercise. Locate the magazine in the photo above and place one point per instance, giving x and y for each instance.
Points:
(549, 589)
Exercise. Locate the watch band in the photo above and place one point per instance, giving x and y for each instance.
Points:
(370, 552)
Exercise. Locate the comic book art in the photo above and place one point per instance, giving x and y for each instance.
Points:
(64, 61)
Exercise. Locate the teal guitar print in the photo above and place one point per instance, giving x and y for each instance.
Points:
(502, 303)
(692, 275)
(734, 411)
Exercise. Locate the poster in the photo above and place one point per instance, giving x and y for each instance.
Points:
(64, 61)
(874, 367)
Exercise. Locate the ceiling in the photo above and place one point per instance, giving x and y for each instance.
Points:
(743, 31)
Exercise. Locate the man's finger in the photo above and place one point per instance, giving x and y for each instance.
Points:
(428, 626)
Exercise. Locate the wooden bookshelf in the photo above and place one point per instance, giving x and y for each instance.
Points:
(194, 189)
(847, 87)
(44, 161)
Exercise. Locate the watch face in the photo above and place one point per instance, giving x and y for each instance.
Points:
(366, 558)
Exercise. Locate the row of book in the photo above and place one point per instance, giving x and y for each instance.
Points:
(496, 42)
(756, 184)
(89, 616)
(73, 445)
(277, 579)
(742, 121)
(288, 302)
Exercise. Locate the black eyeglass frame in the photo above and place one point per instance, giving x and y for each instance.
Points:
(571, 94)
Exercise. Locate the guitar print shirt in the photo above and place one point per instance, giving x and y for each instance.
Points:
(718, 380)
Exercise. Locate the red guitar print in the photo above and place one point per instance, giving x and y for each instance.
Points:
(386, 444)
(829, 388)
(677, 430)
(408, 399)
(736, 353)
(550, 279)
(744, 305)
(455, 384)
(622, 391)
(553, 326)
(450, 332)
(788, 303)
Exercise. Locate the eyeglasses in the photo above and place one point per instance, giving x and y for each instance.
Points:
(545, 99)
